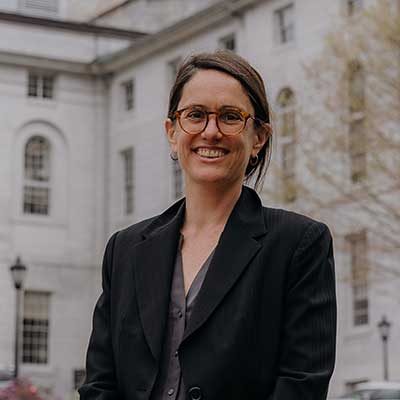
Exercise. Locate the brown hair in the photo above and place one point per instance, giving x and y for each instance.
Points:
(241, 70)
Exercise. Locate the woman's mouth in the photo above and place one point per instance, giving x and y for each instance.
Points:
(210, 153)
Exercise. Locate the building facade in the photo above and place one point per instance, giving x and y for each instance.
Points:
(83, 153)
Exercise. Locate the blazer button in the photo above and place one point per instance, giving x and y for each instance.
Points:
(195, 393)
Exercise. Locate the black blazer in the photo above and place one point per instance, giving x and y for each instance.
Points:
(264, 322)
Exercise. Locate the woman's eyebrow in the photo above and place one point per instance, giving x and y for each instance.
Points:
(224, 106)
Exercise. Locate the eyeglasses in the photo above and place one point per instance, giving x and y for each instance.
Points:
(230, 121)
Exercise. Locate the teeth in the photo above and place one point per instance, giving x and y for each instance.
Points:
(211, 153)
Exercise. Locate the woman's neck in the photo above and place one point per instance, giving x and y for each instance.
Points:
(209, 206)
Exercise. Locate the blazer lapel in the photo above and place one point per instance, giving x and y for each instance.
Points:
(154, 260)
(237, 246)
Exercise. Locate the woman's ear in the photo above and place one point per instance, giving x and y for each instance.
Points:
(171, 133)
(261, 136)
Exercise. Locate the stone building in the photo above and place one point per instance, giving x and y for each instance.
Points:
(83, 95)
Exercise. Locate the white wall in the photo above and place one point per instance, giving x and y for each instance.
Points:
(63, 250)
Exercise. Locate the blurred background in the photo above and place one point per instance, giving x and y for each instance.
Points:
(84, 89)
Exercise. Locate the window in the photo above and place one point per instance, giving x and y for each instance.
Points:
(128, 89)
(357, 150)
(40, 85)
(35, 327)
(79, 377)
(128, 168)
(357, 134)
(359, 277)
(47, 8)
(284, 24)
(353, 7)
(37, 176)
(356, 87)
(173, 67)
(177, 177)
(287, 137)
(177, 180)
(228, 42)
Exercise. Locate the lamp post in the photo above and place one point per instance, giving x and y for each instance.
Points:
(18, 272)
(384, 328)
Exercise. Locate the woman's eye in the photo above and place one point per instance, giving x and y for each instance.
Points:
(230, 116)
(195, 115)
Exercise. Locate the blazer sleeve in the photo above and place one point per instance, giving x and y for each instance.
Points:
(100, 380)
(309, 325)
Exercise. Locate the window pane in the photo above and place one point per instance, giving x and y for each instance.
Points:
(33, 81)
(359, 274)
(228, 43)
(48, 83)
(287, 115)
(128, 167)
(357, 150)
(353, 7)
(128, 88)
(35, 327)
(356, 87)
(36, 200)
(47, 8)
(178, 180)
(37, 159)
(284, 23)
(173, 67)
(79, 377)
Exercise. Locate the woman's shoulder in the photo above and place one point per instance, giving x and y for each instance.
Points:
(292, 223)
(138, 231)
(134, 233)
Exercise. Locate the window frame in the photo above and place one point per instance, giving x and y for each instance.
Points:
(287, 144)
(225, 40)
(359, 278)
(42, 338)
(37, 185)
(40, 89)
(50, 10)
(284, 30)
(178, 181)
(353, 7)
(357, 135)
(128, 166)
(128, 94)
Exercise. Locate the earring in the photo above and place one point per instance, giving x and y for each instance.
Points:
(173, 155)
(254, 160)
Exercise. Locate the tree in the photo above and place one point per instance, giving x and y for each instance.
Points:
(348, 136)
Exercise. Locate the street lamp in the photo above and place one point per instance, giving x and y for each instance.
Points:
(18, 273)
(384, 328)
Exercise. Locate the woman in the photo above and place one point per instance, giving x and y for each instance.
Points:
(217, 297)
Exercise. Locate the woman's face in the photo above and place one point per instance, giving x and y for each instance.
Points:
(211, 157)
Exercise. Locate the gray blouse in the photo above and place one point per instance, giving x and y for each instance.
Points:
(169, 383)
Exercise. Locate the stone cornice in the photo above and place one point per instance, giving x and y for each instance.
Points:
(44, 63)
(81, 27)
(172, 35)
(141, 48)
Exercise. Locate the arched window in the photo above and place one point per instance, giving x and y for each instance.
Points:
(357, 138)
(287, 135)
(37, 176)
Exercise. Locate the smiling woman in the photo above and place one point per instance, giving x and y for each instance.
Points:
(218, 297)
(213, 140)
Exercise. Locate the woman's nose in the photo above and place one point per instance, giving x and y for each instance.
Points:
(211, 131)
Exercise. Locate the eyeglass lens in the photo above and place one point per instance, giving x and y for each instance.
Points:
(229, 122)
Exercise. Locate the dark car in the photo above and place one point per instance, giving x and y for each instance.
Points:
(385, 394)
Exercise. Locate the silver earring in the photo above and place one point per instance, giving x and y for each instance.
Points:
(254, 160)
(173, 155)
